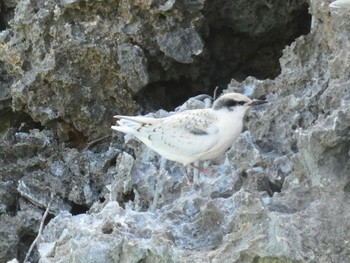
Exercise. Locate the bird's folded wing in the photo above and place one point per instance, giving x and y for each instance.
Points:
(188, 133)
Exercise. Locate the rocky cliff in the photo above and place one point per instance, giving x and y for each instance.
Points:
(280, 194)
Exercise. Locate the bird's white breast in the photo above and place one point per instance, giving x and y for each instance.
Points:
(229, 124)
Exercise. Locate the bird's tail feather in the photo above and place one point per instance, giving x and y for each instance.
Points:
(127, 125)
(139, 119)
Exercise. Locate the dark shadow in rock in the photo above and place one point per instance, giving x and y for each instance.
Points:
(107, 227)
(48, 218)
(68, 134)
(230, 51)
(165, 95)
(3, 23)
(224, 195)
(238, 52)
(347, 190)
(25, 241)
(124, 198)
(78, 209)
(275, 187)
(21, 121)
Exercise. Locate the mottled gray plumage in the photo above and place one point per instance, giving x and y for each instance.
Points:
(192, 135)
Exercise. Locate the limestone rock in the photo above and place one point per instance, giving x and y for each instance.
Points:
(133, 65)
(280, 194)
(181, 44)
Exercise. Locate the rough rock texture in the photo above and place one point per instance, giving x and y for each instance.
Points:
(280, 194)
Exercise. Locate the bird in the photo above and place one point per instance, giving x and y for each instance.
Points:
(340, 3)
(191, 135)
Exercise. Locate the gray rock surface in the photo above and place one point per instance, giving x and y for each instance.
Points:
(172, 44)
(133, 65)
(279, 194)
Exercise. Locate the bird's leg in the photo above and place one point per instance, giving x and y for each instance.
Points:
(196, 171)
(186, 172)
(160, 183)
(195, 165)
(206, 170)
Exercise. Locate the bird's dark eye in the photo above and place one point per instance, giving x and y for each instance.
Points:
(232, 103)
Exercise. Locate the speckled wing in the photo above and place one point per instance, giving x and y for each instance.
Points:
(182, 136)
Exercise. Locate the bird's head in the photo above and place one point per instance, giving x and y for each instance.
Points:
(234, 101)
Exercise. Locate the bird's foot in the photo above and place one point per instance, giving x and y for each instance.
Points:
(204, 170)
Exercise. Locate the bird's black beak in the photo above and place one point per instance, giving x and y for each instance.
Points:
(257, 102)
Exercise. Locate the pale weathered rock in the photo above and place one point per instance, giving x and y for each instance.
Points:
(280, 194)
(133, 64)
(181, 44)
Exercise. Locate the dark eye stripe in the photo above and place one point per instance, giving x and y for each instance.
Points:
(234, 103)
(227, 104)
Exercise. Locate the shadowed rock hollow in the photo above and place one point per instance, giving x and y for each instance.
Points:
(280, 194)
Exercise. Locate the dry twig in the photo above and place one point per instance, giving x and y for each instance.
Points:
(40, 230)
